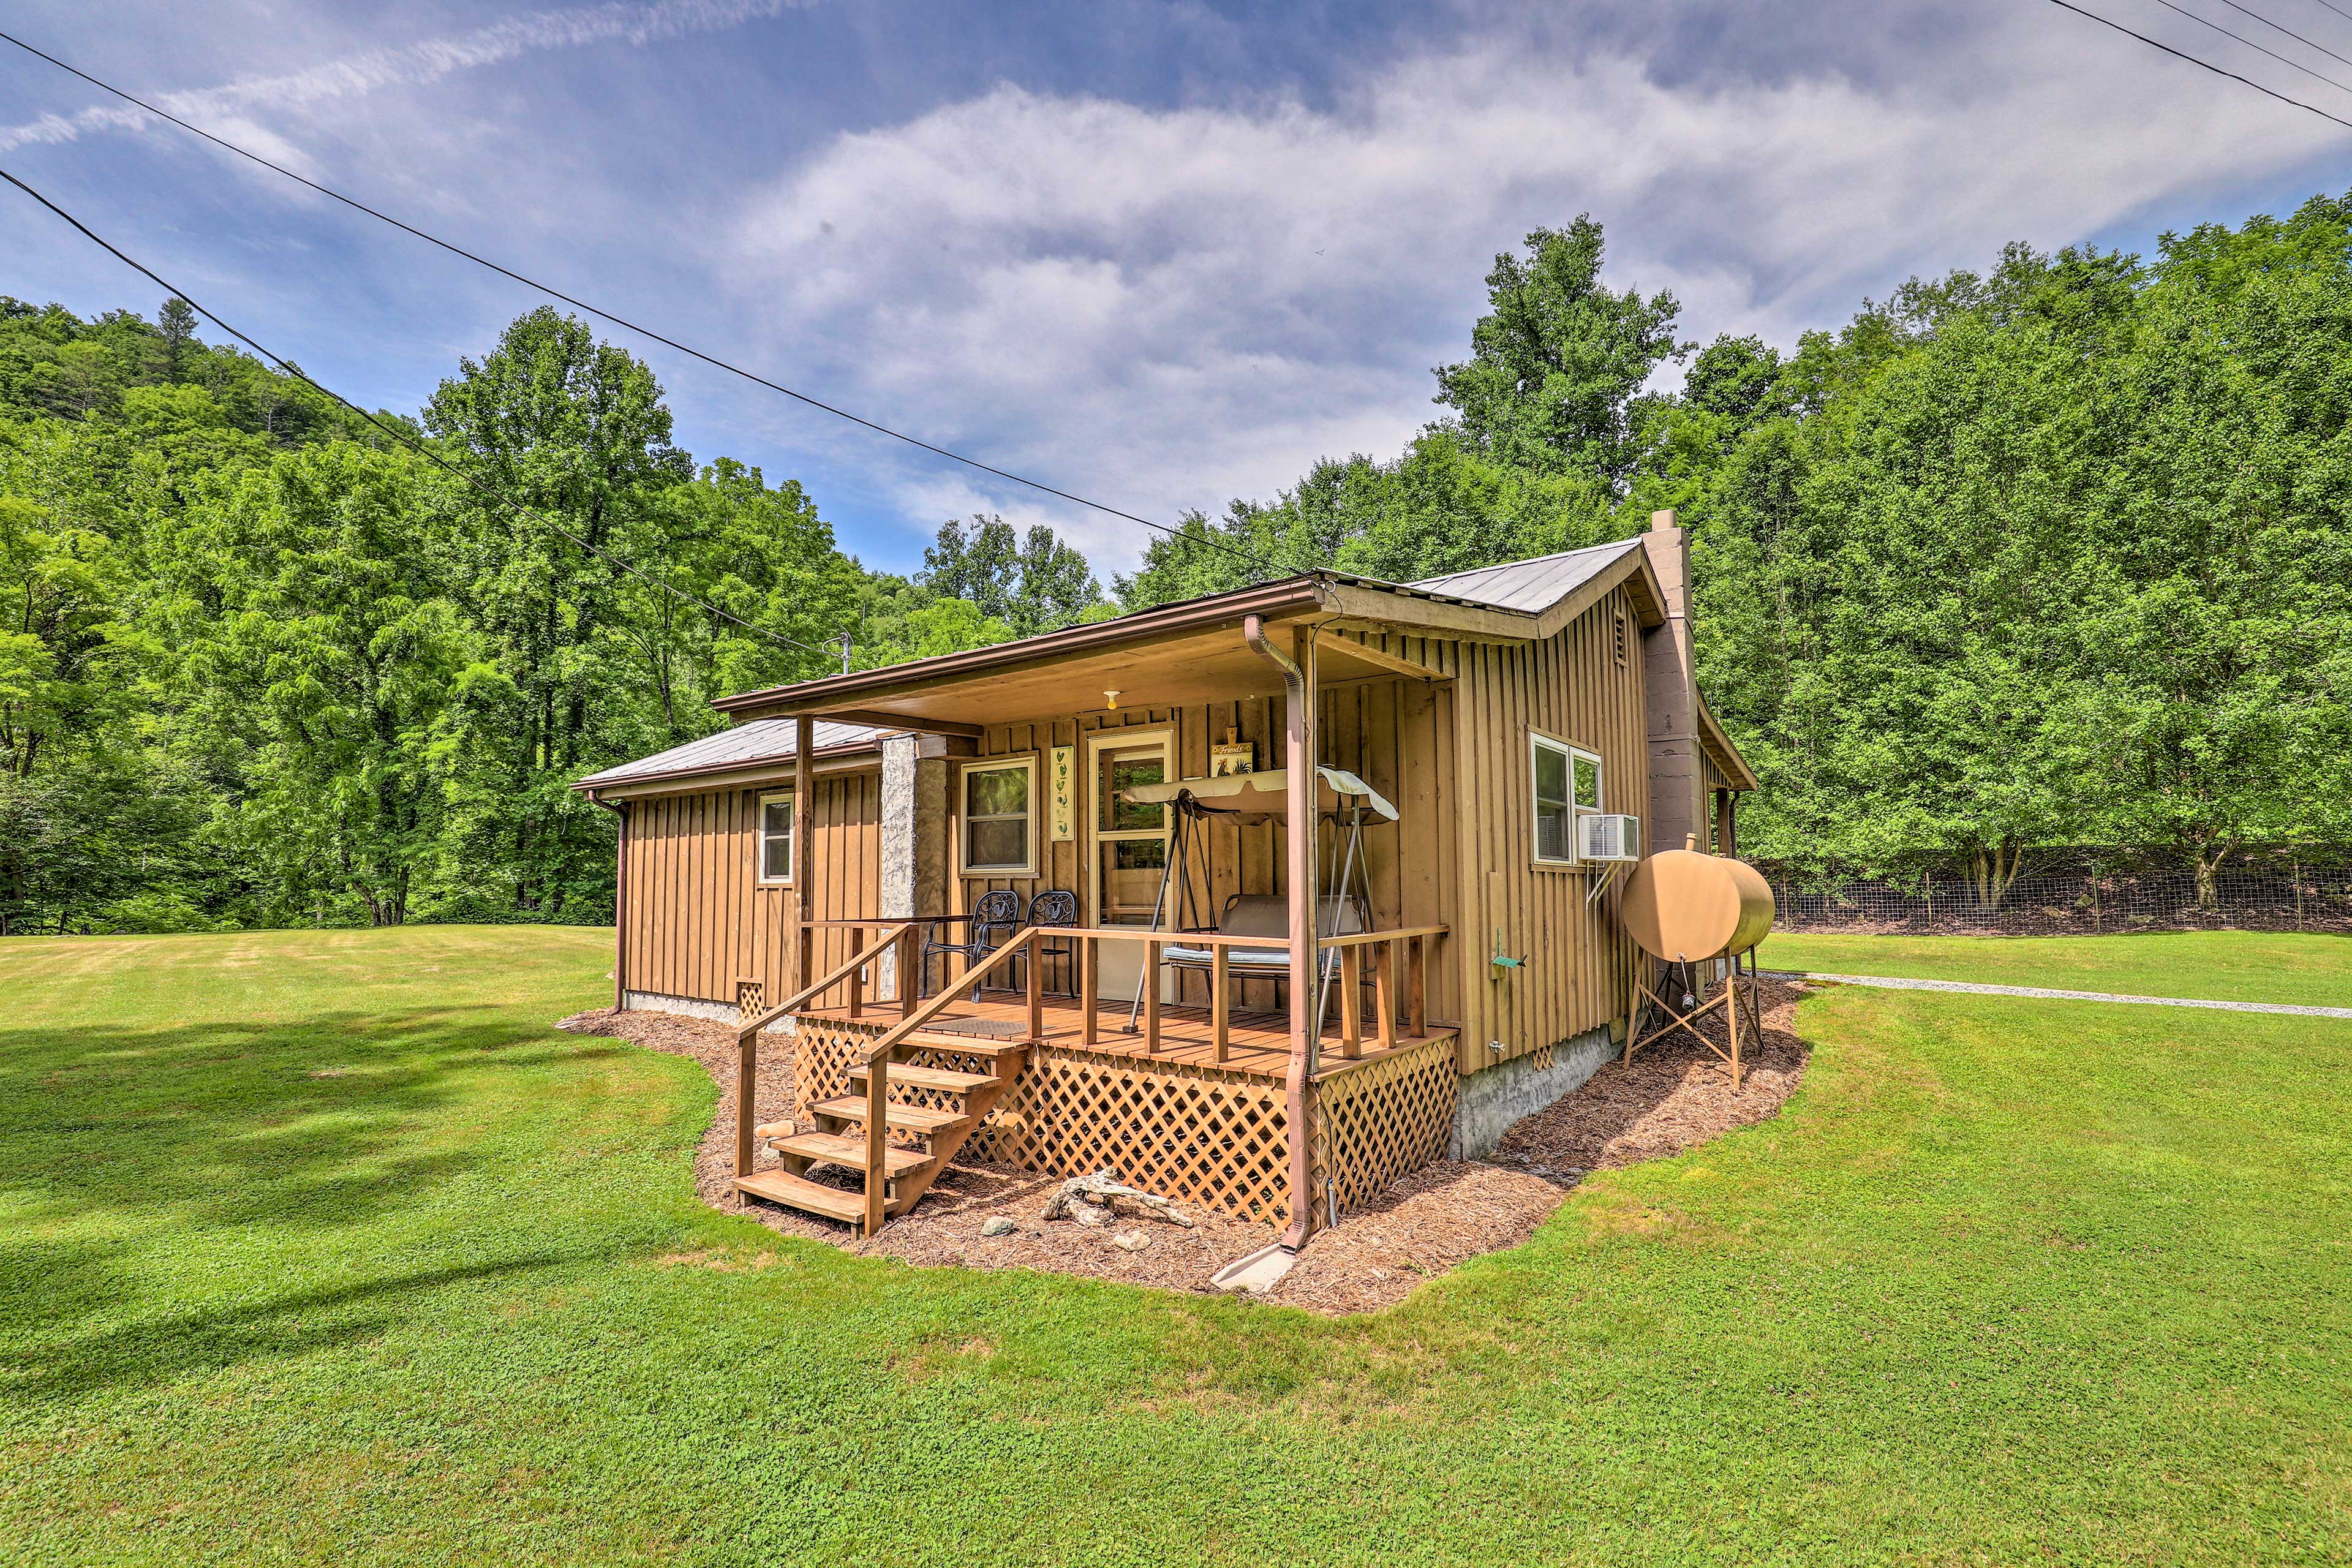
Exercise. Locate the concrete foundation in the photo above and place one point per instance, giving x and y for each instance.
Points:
(1487, 1101)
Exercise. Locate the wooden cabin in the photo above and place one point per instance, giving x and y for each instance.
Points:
(1191, 992)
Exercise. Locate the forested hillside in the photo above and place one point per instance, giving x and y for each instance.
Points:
(2056, 553)
(261, 665)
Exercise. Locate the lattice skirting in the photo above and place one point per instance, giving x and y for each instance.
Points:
(1376, 1122)
(1198, 1134)
(1205, 1135)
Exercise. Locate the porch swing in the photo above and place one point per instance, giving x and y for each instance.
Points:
(1343, 801)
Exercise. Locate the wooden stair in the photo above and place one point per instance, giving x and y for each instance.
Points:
(839, 1140)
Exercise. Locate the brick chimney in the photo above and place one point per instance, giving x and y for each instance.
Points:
(1677, 795)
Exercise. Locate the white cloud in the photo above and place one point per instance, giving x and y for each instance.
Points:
(1169, 307)
(225, 111)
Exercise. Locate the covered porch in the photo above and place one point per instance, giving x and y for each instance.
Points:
(1162, 973)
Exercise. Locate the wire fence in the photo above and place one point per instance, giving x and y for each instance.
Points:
(2079, 891)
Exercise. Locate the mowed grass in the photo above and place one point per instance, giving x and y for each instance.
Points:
(2216, 966)
(324, 1248)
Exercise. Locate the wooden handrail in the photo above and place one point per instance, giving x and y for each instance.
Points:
(878, 922)
(857, 961)
(877, 1061)
(747, 1038)
(1170, 938)
(1365, 938)
(1019, 942)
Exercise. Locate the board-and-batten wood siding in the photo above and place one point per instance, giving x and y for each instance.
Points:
(700, 918)
(1578, 961)
(1396, 734)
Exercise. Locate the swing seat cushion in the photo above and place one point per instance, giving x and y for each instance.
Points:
(1265, 914)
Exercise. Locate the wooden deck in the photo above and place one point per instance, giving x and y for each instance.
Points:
(1259, 1043)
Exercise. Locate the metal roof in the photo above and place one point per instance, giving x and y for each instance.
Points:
(762, 741)
(1533, 586)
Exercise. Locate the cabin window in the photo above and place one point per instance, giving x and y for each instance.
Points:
(998, 831)
(1567, 786)
(776, 837)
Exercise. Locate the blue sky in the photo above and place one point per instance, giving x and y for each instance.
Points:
(1162, 255)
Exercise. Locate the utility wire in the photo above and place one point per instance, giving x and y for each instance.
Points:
(2208, 64)
(2298, 64)
(623, 322)
(2290, 32)
(397, 433)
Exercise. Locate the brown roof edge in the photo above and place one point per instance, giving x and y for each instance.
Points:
(1717, 740)
(732, 766)
(1287, 595)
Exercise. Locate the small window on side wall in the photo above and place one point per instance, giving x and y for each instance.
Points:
(776, 838)
(1566, 787)
(998, 832)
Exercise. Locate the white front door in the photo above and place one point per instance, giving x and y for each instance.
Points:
(1126, 851)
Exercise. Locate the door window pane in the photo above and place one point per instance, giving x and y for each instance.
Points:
(1131, 871)
(1124, 771)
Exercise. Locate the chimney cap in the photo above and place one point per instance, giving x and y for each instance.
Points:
(1663, 520)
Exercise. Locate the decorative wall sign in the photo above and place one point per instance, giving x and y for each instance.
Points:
(1062, 787)
(1235, 756)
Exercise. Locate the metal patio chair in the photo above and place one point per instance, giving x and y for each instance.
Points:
(1057, 907)
(996, 912)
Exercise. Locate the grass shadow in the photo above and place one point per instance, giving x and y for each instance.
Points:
(332, 1123)
(179, 1344)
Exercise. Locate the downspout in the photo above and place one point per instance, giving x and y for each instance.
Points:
(620, 906)
(1298, 1078)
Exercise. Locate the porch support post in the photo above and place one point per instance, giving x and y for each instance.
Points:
(1299, 750)
(1298, 741)
(803, 843)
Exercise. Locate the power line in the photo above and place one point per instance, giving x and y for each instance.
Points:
(2298, 64)
(396, 432)
(2208, 64)
(2290, 32)
(623, 322)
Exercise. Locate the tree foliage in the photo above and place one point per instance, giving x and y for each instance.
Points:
(1035, 583)
(259, 664)
(2058, 552)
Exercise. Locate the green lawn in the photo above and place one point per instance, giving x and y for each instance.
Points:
(324, 1248)
(2219, 966)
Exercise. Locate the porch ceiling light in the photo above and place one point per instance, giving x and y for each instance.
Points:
(1111, 699)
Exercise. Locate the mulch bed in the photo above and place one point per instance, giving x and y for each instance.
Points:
(1673, 1095)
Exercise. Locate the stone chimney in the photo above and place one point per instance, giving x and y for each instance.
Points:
(1678, 793)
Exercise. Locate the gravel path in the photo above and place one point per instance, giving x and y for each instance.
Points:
(1891, 983)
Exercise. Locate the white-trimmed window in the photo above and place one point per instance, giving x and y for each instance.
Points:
(776, 840)
(1000, 830)
(1567, 786)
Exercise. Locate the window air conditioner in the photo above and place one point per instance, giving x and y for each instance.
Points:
(1609, 838)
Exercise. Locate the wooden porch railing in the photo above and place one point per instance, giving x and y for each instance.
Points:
(913, 1016)
(747, 1037)
(1415, 939)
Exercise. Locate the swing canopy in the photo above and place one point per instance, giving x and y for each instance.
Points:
(1262, 797)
